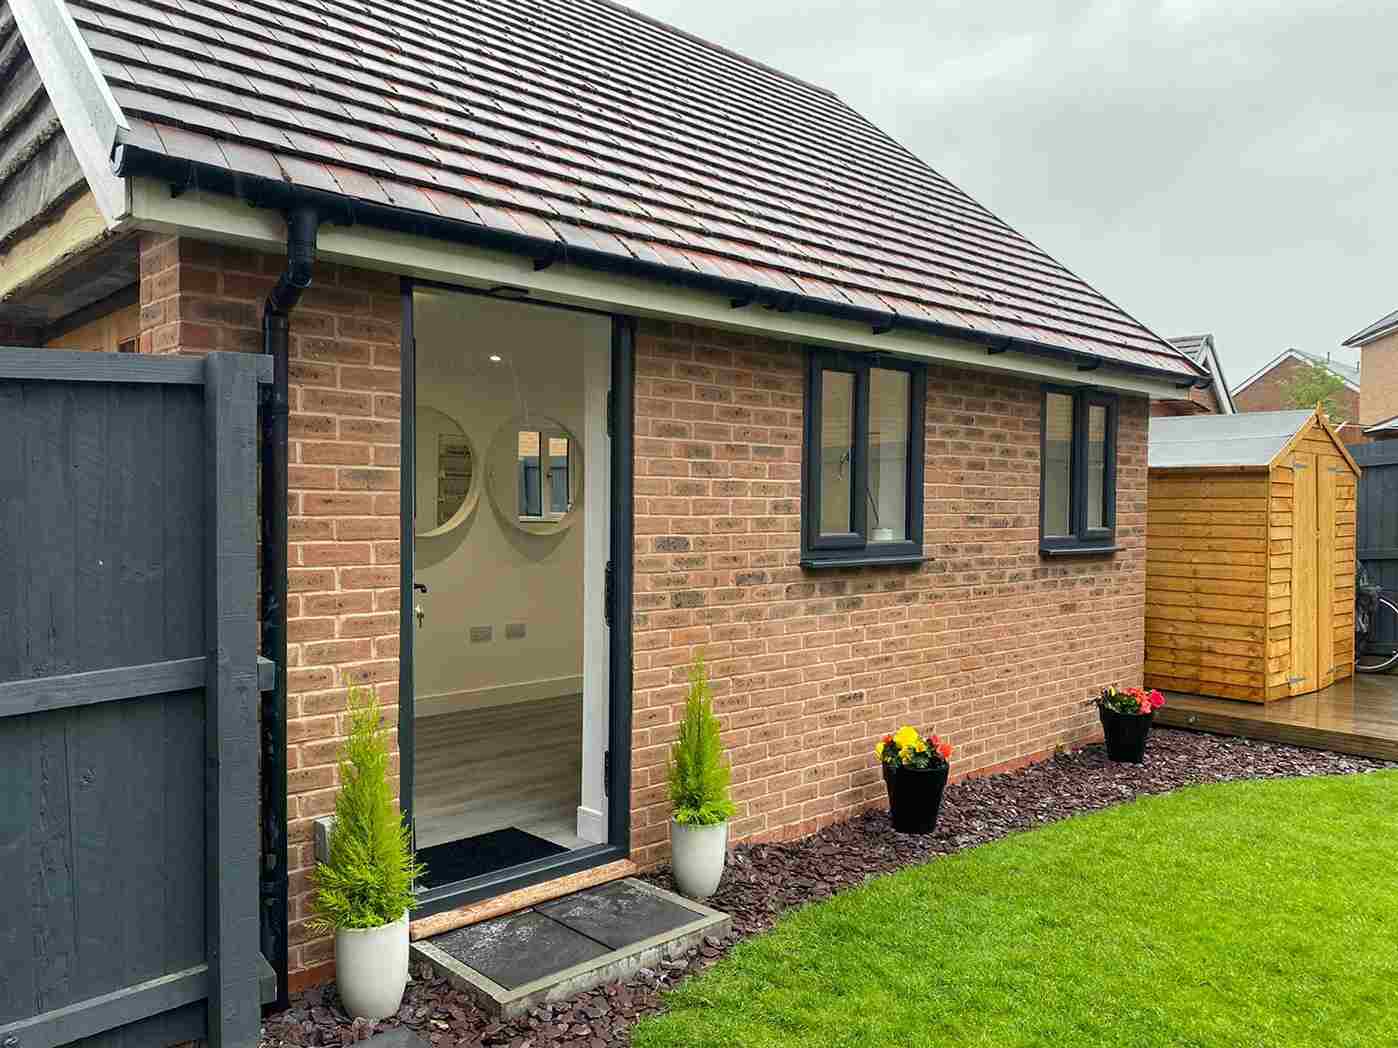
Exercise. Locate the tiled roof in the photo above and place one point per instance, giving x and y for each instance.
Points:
(585, 124)
(1201, 350)
(1383, 326)
(1195, 347)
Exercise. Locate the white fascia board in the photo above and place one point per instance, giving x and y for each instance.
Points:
(1221, 393)
(216, 217)
(90, 116)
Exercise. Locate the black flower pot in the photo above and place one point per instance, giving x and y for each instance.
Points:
(1126, 734)
(915, 797)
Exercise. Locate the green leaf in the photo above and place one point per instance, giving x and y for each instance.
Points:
(368, 881)
(698, 774)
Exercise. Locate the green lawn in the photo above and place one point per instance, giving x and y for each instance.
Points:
(1246, 914)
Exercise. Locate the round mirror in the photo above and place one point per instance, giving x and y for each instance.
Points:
(448, 475)
(535, 477)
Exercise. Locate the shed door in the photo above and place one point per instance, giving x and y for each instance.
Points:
(1304, 575)
(1326, 476)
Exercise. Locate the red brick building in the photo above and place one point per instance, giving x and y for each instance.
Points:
(585, 381)
(1378, 363)
(1266, 389)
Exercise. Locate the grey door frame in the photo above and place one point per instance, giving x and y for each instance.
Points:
(621, 431)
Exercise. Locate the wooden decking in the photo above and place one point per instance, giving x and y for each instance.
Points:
(1358, 715)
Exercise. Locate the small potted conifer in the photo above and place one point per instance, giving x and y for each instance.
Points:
(1127, 715)
(365, 890)
(915, 770)
(699, 798)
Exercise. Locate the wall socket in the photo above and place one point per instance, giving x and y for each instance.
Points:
(514, 631)
(481, 634)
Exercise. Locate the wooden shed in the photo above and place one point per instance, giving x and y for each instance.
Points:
(1249, 555)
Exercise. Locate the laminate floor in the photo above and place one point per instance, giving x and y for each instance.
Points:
(483, 770)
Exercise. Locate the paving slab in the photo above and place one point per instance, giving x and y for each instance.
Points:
(562, 948)
(618, 914)
(519, 948)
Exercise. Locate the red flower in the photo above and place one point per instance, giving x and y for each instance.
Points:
(1156, 700)
(944, 748)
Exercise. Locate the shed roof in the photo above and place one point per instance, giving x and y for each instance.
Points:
(587, 127)
(1249, 439)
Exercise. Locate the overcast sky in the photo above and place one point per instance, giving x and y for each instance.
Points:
(1210, 165)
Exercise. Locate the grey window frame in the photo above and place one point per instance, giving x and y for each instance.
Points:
(1082, 539)
(852, 548)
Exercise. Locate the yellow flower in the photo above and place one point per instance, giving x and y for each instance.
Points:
(878, 749)
(905, 754)
(906, 737)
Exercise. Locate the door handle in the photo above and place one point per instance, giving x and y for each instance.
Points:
(420, 587)
(421, 613)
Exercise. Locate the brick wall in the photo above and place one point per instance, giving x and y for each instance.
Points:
(343, 555)
(1378, 398)
(986, 643)
(1268, 393)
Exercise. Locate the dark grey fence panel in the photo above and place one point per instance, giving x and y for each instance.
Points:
(1376, 533)
(128, 700)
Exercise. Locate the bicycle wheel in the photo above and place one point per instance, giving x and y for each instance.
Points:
(1372, 656)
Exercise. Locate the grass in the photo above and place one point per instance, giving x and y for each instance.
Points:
(1238, 915)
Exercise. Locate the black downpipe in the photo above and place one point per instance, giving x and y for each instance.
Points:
(302, 225)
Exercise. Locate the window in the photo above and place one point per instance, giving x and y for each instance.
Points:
(1077, 480)
(545, 475)
(861, 496)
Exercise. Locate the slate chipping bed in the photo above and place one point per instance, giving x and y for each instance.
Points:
(764, 880)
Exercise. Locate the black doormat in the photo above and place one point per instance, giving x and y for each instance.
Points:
(484, 853)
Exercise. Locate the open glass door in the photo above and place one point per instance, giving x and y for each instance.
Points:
(512, 510)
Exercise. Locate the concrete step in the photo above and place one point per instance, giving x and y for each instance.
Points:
(558, 949)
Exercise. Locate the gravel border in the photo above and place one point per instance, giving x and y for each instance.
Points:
(764, 880)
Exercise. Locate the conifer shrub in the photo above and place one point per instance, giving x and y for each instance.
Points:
(368, 881)
(698, 773)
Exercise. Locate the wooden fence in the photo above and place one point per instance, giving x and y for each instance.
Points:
(129, 686)
(1376, 536)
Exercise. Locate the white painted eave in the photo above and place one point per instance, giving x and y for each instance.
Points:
(220, 218)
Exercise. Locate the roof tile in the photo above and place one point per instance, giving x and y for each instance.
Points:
(581, 121)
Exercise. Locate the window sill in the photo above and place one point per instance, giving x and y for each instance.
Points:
(1076, 551)
(862, 561)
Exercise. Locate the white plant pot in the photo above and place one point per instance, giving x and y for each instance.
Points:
(371, 968)
(697, 855)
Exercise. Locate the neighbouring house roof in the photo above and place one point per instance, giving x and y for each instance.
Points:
(1386, 428)
(1201, 350)
(1348, 373)
(1377, 330)
(1249, 438)
(597, 133)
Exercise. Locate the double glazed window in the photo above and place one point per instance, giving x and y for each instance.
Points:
(862, 462)
(545, 468)
(1077, 508)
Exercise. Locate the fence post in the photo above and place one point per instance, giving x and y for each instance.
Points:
(231, 795)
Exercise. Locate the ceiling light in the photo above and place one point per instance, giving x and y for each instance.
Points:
(495, 358)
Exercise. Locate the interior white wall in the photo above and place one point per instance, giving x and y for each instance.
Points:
(486, 572)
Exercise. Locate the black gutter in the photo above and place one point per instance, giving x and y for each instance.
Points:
(131, 160)
(302, 225)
